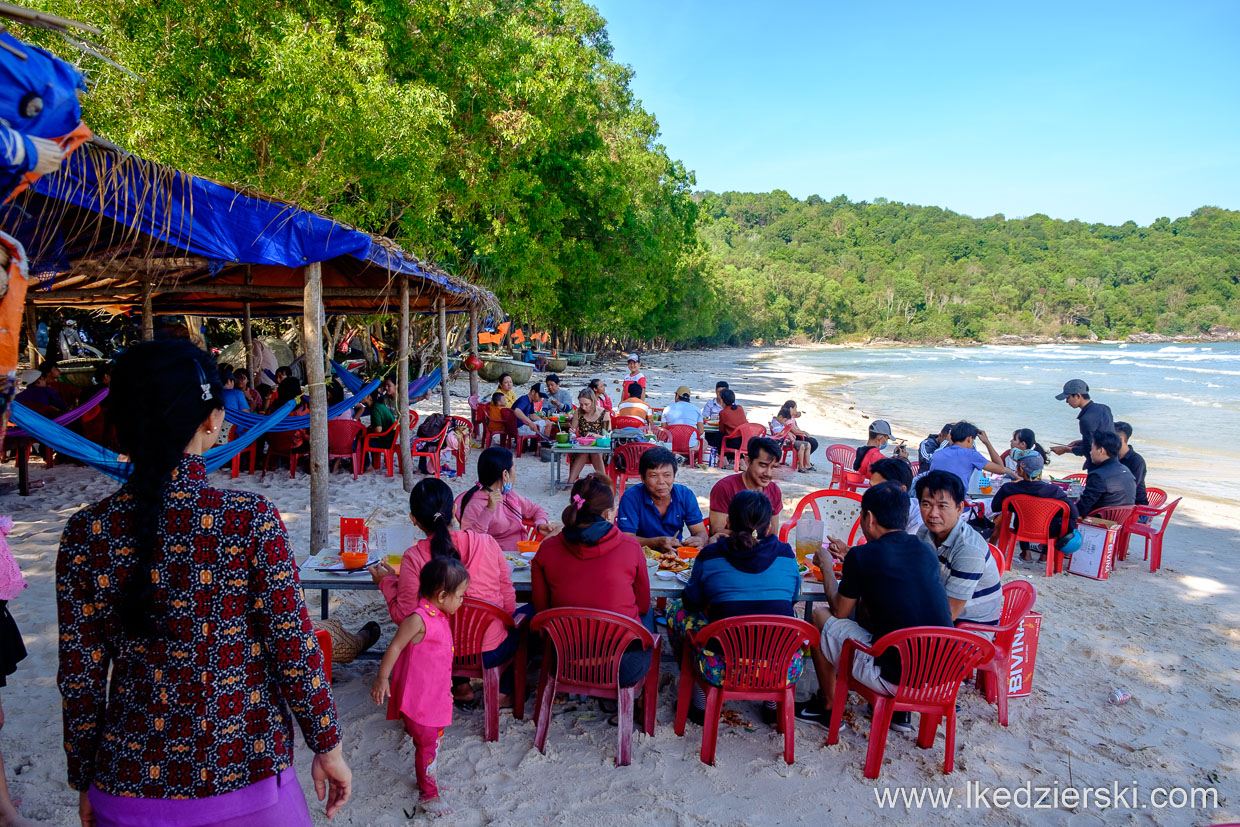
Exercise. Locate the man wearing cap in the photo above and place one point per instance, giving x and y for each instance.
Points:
(559, 400)
(1093, 417)
(526, 407)
(39, 396)
(684, 412)
(872, 451)
(1029, 483)
(634, 375)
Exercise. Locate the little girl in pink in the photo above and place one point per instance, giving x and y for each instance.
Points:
(419, 664)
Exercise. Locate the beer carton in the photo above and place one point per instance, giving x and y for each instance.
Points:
(1024, 655)
(1096, 557)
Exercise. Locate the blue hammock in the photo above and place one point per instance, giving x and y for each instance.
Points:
(245, 420)
(418, 388)
(79, 447)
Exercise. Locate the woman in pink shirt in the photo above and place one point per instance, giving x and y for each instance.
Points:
(492, 507)
(490, 578)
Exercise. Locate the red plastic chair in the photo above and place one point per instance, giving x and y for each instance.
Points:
(992, 677)
(384, 455)
(512, 436)
(1156, 497)
(843, 476)
(1077, 477)
(631, 455)
(756, 652)
(477, 416)
(430, 447)
(584, 658)
(281, 444)
(1124, 516)
(998, 555)
(679, 436)
(1150, 532)
(456, 423)
(627, 422)
(746, 432)
(325, 643)
(1033, 516)
(252, 452)
(469, 627)
(813, 501)
(343, 442)
(934, 661)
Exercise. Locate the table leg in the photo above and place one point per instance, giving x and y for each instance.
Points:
(23, 470)
(324, 600)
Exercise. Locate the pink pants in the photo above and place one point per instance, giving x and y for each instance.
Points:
(425, 747)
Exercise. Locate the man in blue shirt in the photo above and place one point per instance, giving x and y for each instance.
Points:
(234, 400)
(962, 459)
(657, 511)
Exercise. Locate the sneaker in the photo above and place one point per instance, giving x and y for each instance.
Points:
(812, 711)
(902, 721)
(769, 715)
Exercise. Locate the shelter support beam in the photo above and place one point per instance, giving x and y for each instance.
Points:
(443, 354)
(473, 349)
(312, 337)
(402, 383)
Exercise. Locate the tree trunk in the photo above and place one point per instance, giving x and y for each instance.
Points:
(402, 383)
(442, 306)
(312, 336)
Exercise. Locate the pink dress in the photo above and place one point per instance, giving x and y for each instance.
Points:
(422, 677)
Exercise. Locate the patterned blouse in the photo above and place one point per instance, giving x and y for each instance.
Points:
(204, 709)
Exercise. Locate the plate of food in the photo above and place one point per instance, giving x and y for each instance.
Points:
(516, 561)
(803, 569)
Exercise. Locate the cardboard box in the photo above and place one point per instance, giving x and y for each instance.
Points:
(1024, 656)
(1096, 557)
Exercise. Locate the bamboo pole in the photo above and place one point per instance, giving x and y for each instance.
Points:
(247, 334)
(473, 349)
(148, 317)
(443, 355)
(402, 384)
(32, 334)
(312, 334)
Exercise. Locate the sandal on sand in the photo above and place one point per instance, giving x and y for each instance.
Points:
(371, 632)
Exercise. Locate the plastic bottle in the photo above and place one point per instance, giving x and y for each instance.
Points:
(1119, 697)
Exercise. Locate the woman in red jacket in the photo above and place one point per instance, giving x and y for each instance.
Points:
(490, 578)
(591, 565)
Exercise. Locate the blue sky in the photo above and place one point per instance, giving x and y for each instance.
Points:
(1093, 110)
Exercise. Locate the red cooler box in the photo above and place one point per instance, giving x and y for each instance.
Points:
(1024, 655)
(1096, 557)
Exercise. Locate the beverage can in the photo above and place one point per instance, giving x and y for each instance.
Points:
(1119, 697)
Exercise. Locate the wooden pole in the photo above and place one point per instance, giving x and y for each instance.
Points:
(312, 336)
(473, 349)
(402, 384)
(148, 317)
(443, 354)
(247, 334)
(32, 334)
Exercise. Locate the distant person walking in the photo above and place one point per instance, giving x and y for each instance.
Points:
(1093, 417)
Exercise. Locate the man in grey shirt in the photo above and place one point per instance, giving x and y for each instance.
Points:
(970, 574)
(558, 399)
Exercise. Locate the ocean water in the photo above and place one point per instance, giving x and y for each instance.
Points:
(1183, 401)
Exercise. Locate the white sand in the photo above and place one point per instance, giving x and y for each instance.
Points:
(1170, 638)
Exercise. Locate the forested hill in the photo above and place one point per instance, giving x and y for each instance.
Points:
(823, 268)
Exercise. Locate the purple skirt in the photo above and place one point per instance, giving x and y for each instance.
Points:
(273, 802)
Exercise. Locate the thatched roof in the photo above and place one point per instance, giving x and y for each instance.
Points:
(110, 225)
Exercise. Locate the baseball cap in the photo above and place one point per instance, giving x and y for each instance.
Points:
(537, 388)
(880, 426)
(1072, 387)
(1033, 464)
(633, 357)
(683, 390)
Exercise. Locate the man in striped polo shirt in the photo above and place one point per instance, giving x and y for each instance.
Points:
(970, 575)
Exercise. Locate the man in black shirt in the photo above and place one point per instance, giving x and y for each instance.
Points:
(897, 577)
(1093, 417)
(1131, 460)
(1109, 483)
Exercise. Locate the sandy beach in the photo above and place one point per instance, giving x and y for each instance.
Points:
(1170, 638)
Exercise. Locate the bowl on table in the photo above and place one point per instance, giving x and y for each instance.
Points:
(354, 559)
(603, 442)
(527, 548)
(663, 574)
(563, 437)
(687, 552)
(584, 440)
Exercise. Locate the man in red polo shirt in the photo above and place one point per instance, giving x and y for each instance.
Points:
(757, 476)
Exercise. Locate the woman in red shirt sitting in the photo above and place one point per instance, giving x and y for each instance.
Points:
(591, 565)
(730, 418)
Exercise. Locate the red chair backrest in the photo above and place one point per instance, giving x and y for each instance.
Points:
(747, 432)
(626, 422)
(632, 453)
(999, 559)
(757, 649)
(341, 434)
(1078, 477)
(281, 442)
(933, 661)
(679, 434)
(841, 456)
(511, 423)
(589, 643)
(1018, 599)
(1119, 514)
(470, 625)
(1156, 496)
(1153, 513)
(1034, 515)
(473, 402)
(816, 503)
